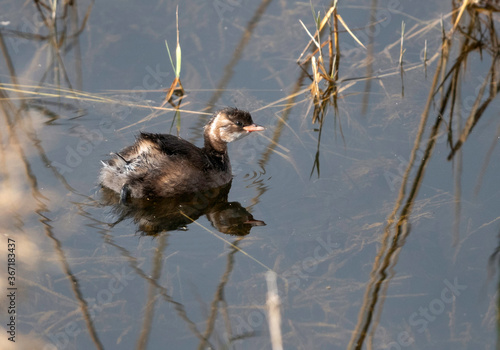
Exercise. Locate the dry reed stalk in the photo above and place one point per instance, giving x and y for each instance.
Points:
(402, 51)
(273, 310)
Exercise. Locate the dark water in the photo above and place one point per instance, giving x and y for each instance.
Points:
(91, 274)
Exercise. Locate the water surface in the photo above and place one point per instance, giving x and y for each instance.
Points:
(350, 274)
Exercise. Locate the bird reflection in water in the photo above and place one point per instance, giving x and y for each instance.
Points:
(156, 215)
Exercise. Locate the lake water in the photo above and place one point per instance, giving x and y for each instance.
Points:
(376, 244)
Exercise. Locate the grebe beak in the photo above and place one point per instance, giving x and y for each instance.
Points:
(253, 127)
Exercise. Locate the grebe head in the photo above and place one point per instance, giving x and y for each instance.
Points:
(227, 125)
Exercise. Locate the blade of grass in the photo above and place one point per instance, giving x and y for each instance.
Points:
(322, 24)
(310, 35)
(178, 49)
(425, 51)
(327, 16)
(401, 51)
(462, 9)
(315, 89)
(350, 32)
(170, 56)
(316, 19)
(177, 67)
(334, 70)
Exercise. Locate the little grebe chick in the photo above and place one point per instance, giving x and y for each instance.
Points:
(161, 165)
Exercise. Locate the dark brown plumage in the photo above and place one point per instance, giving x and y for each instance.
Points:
(165, 165)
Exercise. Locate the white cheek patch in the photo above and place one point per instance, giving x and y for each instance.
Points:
(213, 129)
(234, 136)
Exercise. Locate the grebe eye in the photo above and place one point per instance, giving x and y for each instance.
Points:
(238, 123)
